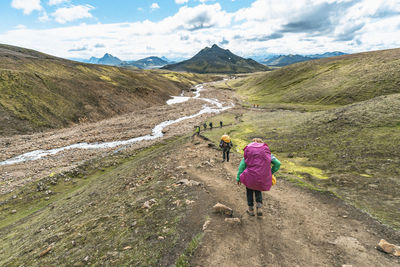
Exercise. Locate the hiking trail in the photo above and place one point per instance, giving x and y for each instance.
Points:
(299, 227)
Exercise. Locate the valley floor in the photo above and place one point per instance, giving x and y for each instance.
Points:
(127, 207)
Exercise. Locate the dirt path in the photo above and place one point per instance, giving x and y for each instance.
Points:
(299, 227)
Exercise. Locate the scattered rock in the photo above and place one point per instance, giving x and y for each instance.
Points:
(127, 247)
(181, 167)
(149, 203)
(73, 243)
(188, 182)
(40, 186)
(14, 211)
(86, 259)
(44, 252)
(388, 248)
(205, 225)
(47, 198)
(233, 221)
(161, 238)
(349, 243)
(188, 202)
(177, 202)
(221, 208)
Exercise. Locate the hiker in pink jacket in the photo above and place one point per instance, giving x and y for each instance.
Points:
(255, 172)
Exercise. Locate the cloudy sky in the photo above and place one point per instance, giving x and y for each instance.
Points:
(133, 29)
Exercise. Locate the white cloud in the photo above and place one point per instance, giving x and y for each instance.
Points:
(20, 27)
(180, 2)
(67, 14)
(154, 6)
(264, 27)
(26, 5)
(44, 17)
(57, 2)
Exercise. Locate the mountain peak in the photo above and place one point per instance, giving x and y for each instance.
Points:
(109, 59)
(217, 60)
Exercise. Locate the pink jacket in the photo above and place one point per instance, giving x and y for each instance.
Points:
(257, 175)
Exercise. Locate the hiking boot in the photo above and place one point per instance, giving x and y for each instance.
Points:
(250, 211)
(258, 209)
(259, 212)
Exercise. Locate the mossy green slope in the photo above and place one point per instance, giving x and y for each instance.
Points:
(38, 91)
(331, 81)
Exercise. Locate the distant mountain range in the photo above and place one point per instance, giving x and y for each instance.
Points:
(217, 60)
(210, 60)
(284, 60)
(145, 63)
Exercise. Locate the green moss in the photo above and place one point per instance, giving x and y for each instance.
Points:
(183, 260)
(296, 166)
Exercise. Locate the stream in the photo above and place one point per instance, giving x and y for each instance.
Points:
(212, 106)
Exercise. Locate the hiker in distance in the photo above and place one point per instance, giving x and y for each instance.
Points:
(226, 145)
(210, 124)
(205, 125)
(256, 172)
(220, 124)
(196, 131)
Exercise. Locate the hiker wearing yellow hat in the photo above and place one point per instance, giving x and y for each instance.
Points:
(226, 145)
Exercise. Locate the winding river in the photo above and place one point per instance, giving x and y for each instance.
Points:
(211, 106)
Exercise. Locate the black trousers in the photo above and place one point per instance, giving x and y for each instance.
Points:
(250, 199)
(225, 151)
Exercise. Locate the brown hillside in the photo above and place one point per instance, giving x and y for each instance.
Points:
(39, 91)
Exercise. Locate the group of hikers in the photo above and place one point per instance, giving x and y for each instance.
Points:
(210, 124)
(256, 170)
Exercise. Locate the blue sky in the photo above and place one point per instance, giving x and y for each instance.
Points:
(179, 28)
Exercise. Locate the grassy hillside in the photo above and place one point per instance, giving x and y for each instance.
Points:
(330, 81)
(38, 91)
(351, 151)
